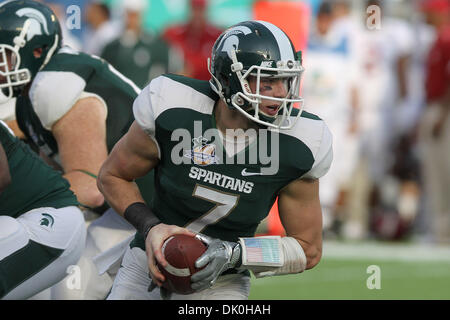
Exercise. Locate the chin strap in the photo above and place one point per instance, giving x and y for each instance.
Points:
(215, 86)
(50, 52)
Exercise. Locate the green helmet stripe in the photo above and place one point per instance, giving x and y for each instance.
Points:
(284, 44)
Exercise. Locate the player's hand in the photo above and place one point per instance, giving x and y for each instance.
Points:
(153, 247)
(220, 256)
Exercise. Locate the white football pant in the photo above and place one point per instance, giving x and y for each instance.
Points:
(38, 248)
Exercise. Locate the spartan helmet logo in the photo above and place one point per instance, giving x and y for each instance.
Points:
(230, 41)
(38, 23)
(47, 220)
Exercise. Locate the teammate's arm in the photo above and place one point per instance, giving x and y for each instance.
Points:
(5, 176)
(134, 155)
(81, 138)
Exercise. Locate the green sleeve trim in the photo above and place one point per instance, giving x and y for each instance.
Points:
(87, 172)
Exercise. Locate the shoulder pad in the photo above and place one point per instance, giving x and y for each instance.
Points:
(53, 93)
(314, 133)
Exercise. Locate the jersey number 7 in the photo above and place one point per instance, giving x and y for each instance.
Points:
(225, 203)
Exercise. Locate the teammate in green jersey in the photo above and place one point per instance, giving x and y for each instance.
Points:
(42, 231)
(71, 106)
(222, 151)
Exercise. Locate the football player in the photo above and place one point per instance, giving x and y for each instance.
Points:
(71, 106)
(42, 230)
(222, 151)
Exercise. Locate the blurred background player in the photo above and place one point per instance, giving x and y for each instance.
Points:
(42, 230)
(194, 40)
(138, 54)
(383, 46)
(435, 122)
(329, 91)
(101, 28)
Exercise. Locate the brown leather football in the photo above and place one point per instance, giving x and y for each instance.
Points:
(181, 252)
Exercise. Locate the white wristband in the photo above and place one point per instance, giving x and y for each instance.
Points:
(272, 255)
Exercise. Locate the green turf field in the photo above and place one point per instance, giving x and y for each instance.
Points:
(406, 272)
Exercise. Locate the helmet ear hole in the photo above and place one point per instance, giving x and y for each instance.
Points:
(37, 52)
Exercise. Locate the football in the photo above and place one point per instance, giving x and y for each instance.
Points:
(181, 252)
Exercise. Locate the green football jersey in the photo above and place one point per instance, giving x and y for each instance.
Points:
(69, 76)
(33, 183)
(218, 192)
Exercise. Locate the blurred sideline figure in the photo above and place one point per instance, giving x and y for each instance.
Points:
(328, 90)
(138, 54)
(351, 219)
(404, 192)
(101, 28)
(435, 122)
(382, 64)
(194, 39)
